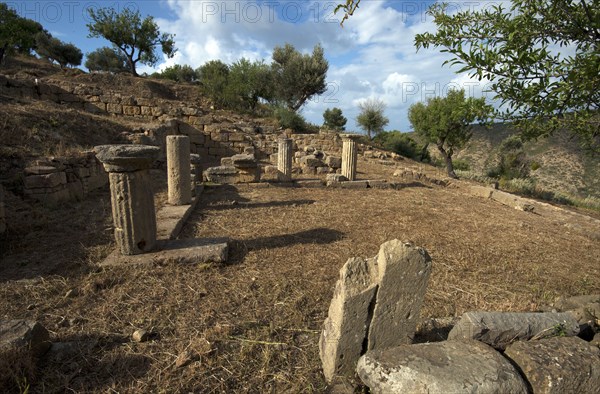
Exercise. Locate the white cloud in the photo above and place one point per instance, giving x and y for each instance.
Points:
(372, 56)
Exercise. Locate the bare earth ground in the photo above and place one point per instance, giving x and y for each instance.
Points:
(253, 324)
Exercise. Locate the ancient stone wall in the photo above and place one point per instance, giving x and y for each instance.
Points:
(55, 180)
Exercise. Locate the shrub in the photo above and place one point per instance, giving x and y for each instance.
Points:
(400, 143)
(289, 119)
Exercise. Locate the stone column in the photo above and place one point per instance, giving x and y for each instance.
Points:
(131, 195)
(178, 169)
(349, 156)
(284, 160)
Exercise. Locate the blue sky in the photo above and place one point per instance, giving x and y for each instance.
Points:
(372, 56)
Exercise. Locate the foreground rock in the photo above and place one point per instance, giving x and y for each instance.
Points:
(344, 331)
(500, 329)
(441, 367)
(558, 365)
(376, 304)
(403, 271)
(25, 334)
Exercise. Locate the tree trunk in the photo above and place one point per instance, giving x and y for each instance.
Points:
(132, 69)
(448, 159)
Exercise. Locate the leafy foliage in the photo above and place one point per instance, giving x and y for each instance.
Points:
(213, 77)
(289, 119)
(513, 162)
(177, 73)
(137, 39)
(446, 122)
(298, 77)
(106, 59)
(55, 50)
(334, 120)
(248, 83)
(519, 50)
(403, 144)
(16, 33)
(371, 118)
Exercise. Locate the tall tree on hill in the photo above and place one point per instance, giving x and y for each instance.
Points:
(106, 59)
(137, 39)
(371, 117)
(298, 77)
(16, 33)
(446, 122)
(542, 58)
(334, 120)
(55, 50)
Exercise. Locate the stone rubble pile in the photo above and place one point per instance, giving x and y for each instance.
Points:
(370, 331)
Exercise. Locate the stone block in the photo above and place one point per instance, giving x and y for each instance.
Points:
(499, 329)
(311, 161)
(45, 181)
(25, 334)
(244, 161)
(145, 110)
(439, 368)
(558, 365)
(346, 327)
(403, 276)
(131, 110)
(114, 108)
(237, 137)
(40, 170)
(182, 251)
(335, 178)
(333, 162)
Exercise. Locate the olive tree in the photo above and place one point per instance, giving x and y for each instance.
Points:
(446, 122)
(135, 37)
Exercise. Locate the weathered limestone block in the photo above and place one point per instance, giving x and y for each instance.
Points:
(244, 161)
(439, 368)
(335, 178)
(499, 329)
(45, 181)
(558, 365)
(178, 170)
(131, 110)
(24, 334)
(333, 162)
(40, 170)
(311, 161)
(126, 158)
(284, 159)
(404, 271)
(114, 108)
(345, 329)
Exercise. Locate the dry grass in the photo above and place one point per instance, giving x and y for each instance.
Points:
(253, 324)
